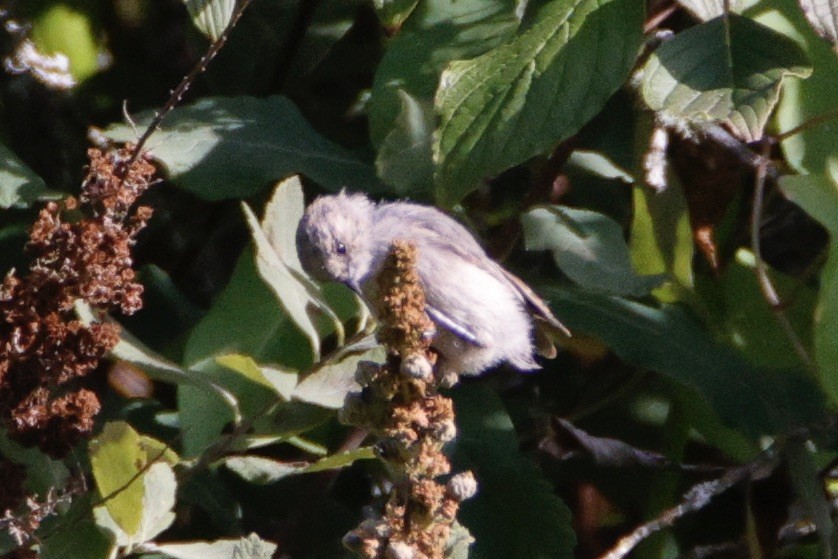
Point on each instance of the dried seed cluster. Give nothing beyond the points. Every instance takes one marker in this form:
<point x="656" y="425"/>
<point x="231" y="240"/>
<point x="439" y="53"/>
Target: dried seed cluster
<point x="80" y="251"/>
<point x="400" y="404"/>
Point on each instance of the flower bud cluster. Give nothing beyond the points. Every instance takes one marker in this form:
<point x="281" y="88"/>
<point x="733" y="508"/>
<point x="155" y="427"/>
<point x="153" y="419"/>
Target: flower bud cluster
<point x="399" y="403"/>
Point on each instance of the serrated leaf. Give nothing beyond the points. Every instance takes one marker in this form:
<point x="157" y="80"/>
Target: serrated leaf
<point x="708" y="9"/>
<point x="818" y="196"/>
<point x="728" y="70"/>
<point x="231" y="147"/>
<point x="523" y="97"/>
<point x="251" y="547"/>
<point x="437" y="32"/>
<point x="405" y="160"/>
<point x="823" y="16"/>
<point x="211" y="16"/>
<point x="513" y="500"/>
<point x="588" y="247"/>
<point x="294" y="297"/>
<point x="19" y="185"/>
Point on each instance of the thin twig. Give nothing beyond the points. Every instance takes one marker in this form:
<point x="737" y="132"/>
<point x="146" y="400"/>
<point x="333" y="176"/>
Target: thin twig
<point x="178" y="92"/>
<point x="811" y="123"/>
<point x="695" y="499"/>
<point x="761" y="270"/>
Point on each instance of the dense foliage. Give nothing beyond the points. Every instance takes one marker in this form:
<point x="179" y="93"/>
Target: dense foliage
<point x="664" y="174"/>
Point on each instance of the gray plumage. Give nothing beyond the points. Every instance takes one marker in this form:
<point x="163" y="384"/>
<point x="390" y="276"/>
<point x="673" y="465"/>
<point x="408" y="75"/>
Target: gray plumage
<point x="483" y="314"/>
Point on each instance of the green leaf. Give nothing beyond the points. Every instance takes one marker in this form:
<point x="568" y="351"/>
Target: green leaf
<point x="251" y="547"/>
<point x="803" y="100"/>
<point x="85" y="540"/>
<point x="806" y="480"/>
<point x="156" y="366"/>
<point x="19" y="185"/>
<point x="245" y="319"/>
<point x="661" y="240"/>
<point x="279" y="381"/>
<point x="459" y="542"/>
<point x="263" y="471"/>
<point x="328" y="386"/>
<point x="42" y="472"/>
<point x="727" y="70"/>
<point x="668" y="339"/>
<point x="437" y="32"/>
<point x="588" y="247"/>
<point x="282" y="215"/>
<point x="116" y="460"/>
<point x="65" y="28"/>
<point x="523" y="97"/>
<point x="231" y="147"/>
<point x="211" y="16"/>
<point x="404" y="160"/>
<point x="818" y="196"/>
<point x="513" y="502"/>
<point x="708" y="9"/>
<point x="291" y="293"/>
<point x="736" y="305"/>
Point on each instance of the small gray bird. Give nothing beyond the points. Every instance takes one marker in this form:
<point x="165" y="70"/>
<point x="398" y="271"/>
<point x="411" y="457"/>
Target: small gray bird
<point x="483" y="314"/>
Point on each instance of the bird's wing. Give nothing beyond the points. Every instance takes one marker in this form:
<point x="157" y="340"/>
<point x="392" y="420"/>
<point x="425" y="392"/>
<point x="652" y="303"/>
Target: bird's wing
<point x="536" y="304"/>
<point x="459" y="330"/>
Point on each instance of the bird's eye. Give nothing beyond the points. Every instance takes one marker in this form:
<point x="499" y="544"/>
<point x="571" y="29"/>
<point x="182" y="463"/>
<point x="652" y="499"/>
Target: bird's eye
<point x="341" y="248"/>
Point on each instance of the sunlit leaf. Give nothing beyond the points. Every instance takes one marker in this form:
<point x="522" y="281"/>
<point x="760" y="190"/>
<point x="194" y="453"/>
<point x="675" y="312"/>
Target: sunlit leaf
<point x="262" y="471"/>
<point x="588" y="247"/>
<point x="251" y="547"/>
<point x="727" y="70"/>
<point x="823" y="16"/>
<point x="245" y="319"/>
<point x="404" y="160"/>
<point x="805" y="101"/>
<point x="523" y="97"/>
<point x="708" y="9"/>
<point x="294" y="297"/>
<point x="232" y="147"/>
<point x="211" y="16"/>
<point x="329" y="385"/>
<point x="280" y="381"/>
<point x="116" y="459"/>
<point x="437" y="32"/>
<point x="19" y="185"/>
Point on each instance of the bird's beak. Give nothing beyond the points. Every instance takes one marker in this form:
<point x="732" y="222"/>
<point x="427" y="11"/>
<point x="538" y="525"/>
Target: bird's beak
<point x="353" y="285"/>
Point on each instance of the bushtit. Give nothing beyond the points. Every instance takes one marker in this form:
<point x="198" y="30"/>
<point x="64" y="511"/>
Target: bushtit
<point x="483" y="314"/>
